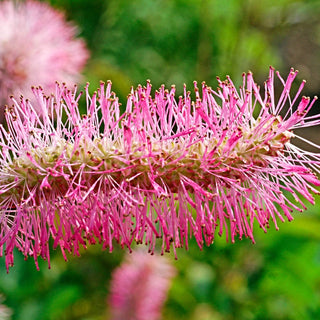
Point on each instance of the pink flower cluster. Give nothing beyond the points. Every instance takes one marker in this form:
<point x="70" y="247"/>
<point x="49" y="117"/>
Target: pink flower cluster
<point x="139" y="287"/>
<point x="163" y="169"/>
<point x="37" y="46"/>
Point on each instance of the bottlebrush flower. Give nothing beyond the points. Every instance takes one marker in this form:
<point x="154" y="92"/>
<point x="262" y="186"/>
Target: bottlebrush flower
<point x="37" y="46"/>
<point x="139" y="287"/>
<point x="163" y="169"/>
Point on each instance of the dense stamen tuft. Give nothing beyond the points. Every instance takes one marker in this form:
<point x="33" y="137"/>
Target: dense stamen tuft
<point x="165" y="168"/>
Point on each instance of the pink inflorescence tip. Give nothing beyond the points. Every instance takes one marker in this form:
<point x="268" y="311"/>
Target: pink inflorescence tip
<point x="139" y="287"/>
<point x="163" y="169"/>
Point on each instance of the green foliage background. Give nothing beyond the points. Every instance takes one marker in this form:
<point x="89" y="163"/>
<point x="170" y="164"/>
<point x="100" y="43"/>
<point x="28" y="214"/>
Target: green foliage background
<point x="178" y="41"/>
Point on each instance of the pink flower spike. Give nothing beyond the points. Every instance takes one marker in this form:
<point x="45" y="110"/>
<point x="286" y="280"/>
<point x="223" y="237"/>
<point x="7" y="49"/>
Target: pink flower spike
<point x="139" y="287"/>
<point x="163" y="169"/>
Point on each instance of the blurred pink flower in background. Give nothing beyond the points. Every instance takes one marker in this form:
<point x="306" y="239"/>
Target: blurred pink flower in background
<point x="163" y="169"/>
<point x="37" y="47"/>
<point x="139" y="287"/>
<point x="5" y="312"/>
